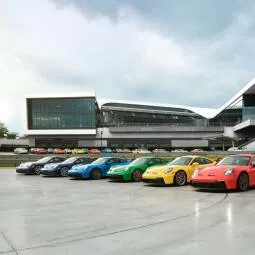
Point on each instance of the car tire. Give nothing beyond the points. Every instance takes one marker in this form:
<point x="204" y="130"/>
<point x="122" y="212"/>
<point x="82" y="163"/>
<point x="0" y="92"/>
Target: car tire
<point x="64" y="171"/>
<point x="242" y="182"/>
<point x="180" y="178"/>
<point x="37" y="170"/>
<point x="96" y="174"/>
<point x="137" y="175"/>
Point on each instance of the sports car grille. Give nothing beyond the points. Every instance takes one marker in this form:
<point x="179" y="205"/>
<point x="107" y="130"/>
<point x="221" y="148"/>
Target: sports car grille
<point x="205" y="185"/>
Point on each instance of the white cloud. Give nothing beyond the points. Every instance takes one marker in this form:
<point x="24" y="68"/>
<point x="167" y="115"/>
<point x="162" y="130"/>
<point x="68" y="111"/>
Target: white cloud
<point x="47" y="49"/>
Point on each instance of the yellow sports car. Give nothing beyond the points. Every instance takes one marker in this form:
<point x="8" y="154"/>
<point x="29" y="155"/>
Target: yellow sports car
<point x="178" y="172"/>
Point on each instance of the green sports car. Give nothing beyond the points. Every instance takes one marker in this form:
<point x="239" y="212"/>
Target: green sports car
<point x="135" y="170"/>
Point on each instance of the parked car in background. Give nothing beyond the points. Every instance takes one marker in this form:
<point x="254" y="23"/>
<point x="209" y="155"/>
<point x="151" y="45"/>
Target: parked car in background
<point x="232" y="172"/>
<point x="50" y="151"/>
<point x="141" y="151"/>
<point x="80" y="151"/>
<point x="179" y="150"/>
<point x="68" y="151"/>
<point x="59" y="151"/>
<point x="32" y="150"/>
<point x="159" y="151"/>
<point x="234" y="149"/>
<point x="135" y="169"/>
<point x="94" y="151"/>
<point x="35" y="167"/>
<point x="107" y="150"/>
<point x="20" y="151"/>
<point x="40" y="151"/>
<point x="178" y="172"/>
<point x="97" y="169"/>
<point x="123" y="150"/>
<point x="62" y="168"/>
<point x="197" y="150"/>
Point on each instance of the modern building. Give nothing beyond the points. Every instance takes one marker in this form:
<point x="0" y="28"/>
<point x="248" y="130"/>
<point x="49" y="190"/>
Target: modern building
<point x="82" y="120"/>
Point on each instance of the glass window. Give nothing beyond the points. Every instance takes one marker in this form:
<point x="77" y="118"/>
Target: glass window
<point x="182" y="161"/>
<point x="62" y="113"/>
<point x="235" y="161"/>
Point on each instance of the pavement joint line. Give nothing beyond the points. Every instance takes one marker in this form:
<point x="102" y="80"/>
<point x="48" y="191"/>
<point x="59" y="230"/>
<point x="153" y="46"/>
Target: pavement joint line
<point x="9" y="243"/>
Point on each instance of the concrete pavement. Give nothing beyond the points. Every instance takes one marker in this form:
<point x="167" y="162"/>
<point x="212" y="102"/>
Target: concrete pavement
<point x="40" y="215"/>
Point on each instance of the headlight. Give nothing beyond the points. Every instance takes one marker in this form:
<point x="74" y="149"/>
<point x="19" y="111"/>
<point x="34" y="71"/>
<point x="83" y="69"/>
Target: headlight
<point x="195" y="172"/>
<point x="229" y="171"/>
<point x="168" y="170"/>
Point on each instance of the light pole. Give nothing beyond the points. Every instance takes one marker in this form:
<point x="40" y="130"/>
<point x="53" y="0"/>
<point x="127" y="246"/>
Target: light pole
<point x="101" y="132"/>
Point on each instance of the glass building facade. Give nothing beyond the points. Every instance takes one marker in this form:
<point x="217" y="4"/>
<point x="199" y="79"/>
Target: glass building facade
<point x="115" y="114"/>
<point x="62" y="113"/>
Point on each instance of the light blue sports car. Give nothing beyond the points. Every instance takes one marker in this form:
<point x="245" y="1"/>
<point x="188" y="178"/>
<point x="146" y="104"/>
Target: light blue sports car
<point x="97" y="169"/>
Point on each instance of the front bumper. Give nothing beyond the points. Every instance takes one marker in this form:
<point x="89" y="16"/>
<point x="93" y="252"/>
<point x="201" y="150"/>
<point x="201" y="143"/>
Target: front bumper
<point x="216" y="185"/>
<point x="158" y="181"/>
<point x="49" y="172"/>
<point x="21" y="170"/>
<point x="121" y="176"/>
<point x="158" y="178"/>
<point x="227" y="183"/>
<point x="115" y="177"/>
<point x="75" y="174"/>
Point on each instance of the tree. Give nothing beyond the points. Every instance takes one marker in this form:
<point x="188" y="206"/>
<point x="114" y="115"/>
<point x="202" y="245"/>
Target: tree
<point x="12" y="135"/>
<point x="3" y="130"/>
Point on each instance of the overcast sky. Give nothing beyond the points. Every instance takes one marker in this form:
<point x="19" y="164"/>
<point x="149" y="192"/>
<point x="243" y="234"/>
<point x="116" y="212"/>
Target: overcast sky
<point x="196" y="53"/>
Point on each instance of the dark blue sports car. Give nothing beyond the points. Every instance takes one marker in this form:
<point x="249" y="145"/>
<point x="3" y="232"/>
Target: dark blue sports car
<point x="97" y="169"/>
<point x="61" y="169"/>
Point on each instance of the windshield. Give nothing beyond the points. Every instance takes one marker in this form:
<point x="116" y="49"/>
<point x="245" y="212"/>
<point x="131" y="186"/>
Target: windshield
<point x="235" y="161"/>
<point x="43" y="160"/>
<point x="100" y="160"/>
<point x="70" y="160"/>
<point x="139" y="161"/>
<point x="183" y="161"/>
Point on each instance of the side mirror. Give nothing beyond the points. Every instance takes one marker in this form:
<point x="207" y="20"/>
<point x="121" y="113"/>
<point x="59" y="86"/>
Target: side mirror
<point x="195" y="164"/>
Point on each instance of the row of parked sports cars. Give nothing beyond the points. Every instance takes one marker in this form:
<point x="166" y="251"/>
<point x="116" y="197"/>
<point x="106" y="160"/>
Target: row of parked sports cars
<point x="232" y="172"/>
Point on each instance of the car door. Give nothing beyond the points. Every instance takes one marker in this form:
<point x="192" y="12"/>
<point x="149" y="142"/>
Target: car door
<point x="109" y="163"/>
<point x="252" y="172"/>
<point x="195" y="163"/>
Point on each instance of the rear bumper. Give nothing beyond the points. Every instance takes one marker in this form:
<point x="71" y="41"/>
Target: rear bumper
<point x="215" y="185"/>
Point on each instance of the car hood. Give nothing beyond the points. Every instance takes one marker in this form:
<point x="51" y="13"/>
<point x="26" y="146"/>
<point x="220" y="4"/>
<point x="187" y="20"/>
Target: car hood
<point x="27" y="164"/>
<point x="156" y="169"/>
<point x="79" y="167"/>
<point x="117" y="169"/>
<point x="214" y="170"/>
